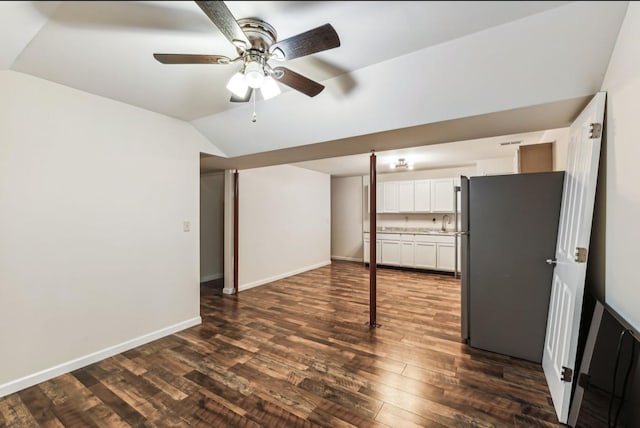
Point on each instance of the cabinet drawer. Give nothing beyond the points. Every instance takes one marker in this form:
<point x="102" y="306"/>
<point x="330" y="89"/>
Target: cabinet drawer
<point x="444" y="239"/>
<point x="406" y="238"/>
<point x="389" y="236"/>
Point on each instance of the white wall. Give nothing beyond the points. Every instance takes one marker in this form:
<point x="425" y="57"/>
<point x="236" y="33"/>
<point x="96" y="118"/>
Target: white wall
<point x="211" y="226"/>
<point x="560" y="139"/>
<point x="346" y="218"/>
<point x="496" y="166"/>
<point x="284" y="223"/>
<point x="93" y="257"/>
<point x="622" y="83"/>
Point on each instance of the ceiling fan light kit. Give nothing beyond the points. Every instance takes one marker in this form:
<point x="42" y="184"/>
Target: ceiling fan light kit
<point x="256" y="43"/>
<point x="402" y="164"/>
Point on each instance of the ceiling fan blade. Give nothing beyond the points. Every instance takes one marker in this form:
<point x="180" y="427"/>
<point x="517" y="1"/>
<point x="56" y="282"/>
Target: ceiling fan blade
<point x="191" y="59"/>
<point x="244" y="99"/>
<point x="312" y="41"/>
<point x="297" y="81"/>
<point x="222" y="17"/>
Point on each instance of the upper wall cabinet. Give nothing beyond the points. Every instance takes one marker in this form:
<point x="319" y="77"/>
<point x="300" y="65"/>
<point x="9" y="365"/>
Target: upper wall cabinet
<point x="442" y="195"/>
<point x="406" y="196"/>
<point x="422" y="196"/>
<point x="415" y="196"/>
<point x="390" y="197"/>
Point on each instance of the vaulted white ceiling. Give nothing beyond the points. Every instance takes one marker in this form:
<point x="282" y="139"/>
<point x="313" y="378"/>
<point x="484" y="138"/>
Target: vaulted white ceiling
<point x="400" y="64"/>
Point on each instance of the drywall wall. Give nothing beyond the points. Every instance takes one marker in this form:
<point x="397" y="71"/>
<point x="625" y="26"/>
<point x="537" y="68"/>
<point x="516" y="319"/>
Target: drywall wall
<point x="93" y="257"/>
<point x="560" y="139"/>
<point x="346" y="218"/>
<point x="496" y="166"/>
<point x="284" y="223"/>
<point x="211" y="226"/>
<point x="622" y="84"/>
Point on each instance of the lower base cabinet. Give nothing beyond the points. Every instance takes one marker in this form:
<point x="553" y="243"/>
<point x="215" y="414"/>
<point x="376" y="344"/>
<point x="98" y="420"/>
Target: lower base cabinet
<point x="421" y="251"/>
<point x="446" y="256"/>
<point x="425" y="255"/>
<point x="366" y="251"/>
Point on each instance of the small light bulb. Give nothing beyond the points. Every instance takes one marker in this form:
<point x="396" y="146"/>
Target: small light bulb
<point x="254" y="74"/>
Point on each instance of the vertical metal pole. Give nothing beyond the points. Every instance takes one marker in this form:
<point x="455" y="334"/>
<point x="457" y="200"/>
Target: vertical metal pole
<point x="373" y="211"/>
<point x="456" y="270"/>
<point x="236" y="204"/>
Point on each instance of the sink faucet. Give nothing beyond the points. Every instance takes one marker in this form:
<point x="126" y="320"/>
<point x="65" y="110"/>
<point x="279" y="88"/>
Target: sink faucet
<point x="445" y="217"/>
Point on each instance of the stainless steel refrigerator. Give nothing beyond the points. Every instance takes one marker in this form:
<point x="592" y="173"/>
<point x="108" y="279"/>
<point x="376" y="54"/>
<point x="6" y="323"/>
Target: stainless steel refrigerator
<point x="509" y="226"/>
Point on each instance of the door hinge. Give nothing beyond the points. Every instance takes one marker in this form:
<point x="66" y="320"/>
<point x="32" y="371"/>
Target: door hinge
<point x="566" y="375"/>
<point x="595" y="130"/>
<point x="580" y="255"/>
<point x="584" y="380"/>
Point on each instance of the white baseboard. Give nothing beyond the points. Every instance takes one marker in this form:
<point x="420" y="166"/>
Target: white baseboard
<point x="347" y="259"/>
<point x="69" y="366"/>
<point x="228" y="291"/>
<point x="211" y="277"/>
<point x="283" y="275"/>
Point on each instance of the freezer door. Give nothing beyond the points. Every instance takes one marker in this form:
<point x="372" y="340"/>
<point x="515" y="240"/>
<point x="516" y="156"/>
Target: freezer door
<point x="514" y="226"/>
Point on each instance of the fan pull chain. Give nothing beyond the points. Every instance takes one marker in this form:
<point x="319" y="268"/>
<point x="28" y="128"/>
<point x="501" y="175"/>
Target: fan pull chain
<point x="253" y="118"/>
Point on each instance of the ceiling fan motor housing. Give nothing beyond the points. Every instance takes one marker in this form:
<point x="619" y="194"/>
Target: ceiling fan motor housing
<point x="261" y="34"/>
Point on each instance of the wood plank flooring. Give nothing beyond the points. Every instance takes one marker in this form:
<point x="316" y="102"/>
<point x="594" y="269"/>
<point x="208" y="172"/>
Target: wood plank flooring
<point x="298" y="353"/>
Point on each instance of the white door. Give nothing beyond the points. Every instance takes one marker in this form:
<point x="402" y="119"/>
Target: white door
<point x="574" y="231"/>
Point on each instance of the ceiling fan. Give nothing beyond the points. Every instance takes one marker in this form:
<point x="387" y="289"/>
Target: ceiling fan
<point x="256" y="43"/>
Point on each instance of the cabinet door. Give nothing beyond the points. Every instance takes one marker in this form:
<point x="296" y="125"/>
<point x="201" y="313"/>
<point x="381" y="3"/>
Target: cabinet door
<point x="422" y="196"/>
<point x="366" y="255"/>
<point x="366" y="251"/>
<point x="378" y="251"/>
<point x="390" y="197"/>
<point x="442" y="195"/>
<point x="446" y="257"/>
<point x="405" y="196"/>
<point x="390" y="253"/>
<point x="424" y="255"/>
<point x="406" y="255"/>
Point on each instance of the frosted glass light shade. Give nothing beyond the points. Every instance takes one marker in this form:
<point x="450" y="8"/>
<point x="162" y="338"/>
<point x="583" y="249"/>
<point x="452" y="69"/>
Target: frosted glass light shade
<point x="269" y="88"/>
<point x="254" y="74"/>
<point x="238" y="85"/>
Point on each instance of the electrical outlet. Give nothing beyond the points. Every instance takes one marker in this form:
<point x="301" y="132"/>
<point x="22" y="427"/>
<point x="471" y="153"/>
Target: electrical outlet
<point x="186" y="226"/>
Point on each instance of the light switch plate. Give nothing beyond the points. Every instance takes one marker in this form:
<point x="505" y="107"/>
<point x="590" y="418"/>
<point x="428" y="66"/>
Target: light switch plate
<point x="186" y="226"/>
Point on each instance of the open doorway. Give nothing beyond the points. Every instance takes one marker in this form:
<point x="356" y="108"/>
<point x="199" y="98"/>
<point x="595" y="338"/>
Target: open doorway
<point x="212" y="231"/>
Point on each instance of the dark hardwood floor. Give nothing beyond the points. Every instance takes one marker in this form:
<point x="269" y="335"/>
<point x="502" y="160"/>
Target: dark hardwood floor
<point x="298" y="352"/>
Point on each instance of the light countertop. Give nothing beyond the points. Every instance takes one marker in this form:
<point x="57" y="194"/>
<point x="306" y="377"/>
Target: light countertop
<point x="414" y="231"/>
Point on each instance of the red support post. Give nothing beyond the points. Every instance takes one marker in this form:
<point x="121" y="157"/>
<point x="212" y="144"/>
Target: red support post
<point x="372" y="241"/>
<point x="236" y="204"/>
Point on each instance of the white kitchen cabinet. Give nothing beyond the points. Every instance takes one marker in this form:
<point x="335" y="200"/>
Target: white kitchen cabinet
<point x="424" y="254"/>
<point x="407" y="258"/>
<point x="422" y="251"/>
<point x="390" y="247"/>
<point x="405" y="196"/>
<point x="390" y="197"/>
<point x="366" y="249"/>
<point x="378" y="198"/>
<point x="422" y="196"/>
<point x="446" y="257"/>
<point x="442" y="194"/>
